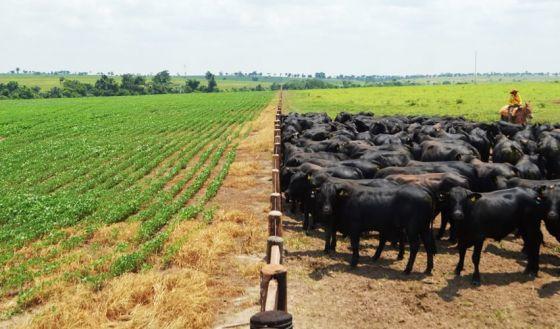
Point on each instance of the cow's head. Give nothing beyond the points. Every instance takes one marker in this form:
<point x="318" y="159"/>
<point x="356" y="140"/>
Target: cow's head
<point x="460" y="202"/>
<point x="329" y="195"/>
<point x="550" y="201"/>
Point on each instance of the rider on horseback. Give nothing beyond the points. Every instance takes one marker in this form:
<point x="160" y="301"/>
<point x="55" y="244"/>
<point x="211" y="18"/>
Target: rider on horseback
<point x="515" y="112"/>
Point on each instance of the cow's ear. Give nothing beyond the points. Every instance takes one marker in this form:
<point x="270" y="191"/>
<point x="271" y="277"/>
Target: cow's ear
<point x="474" y="196"/>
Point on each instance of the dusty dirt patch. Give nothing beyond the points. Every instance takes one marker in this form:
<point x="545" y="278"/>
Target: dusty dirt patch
<point x="247" y="189"/>
<point x="326" y="293"/>
<point x="556" y="101"/>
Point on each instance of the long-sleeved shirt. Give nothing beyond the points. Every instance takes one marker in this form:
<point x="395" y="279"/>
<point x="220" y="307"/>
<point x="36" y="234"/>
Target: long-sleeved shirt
<point x="515" y="100"/>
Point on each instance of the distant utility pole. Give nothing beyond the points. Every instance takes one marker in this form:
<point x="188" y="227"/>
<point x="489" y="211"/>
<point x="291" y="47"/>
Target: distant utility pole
<point x="475" y="73"/>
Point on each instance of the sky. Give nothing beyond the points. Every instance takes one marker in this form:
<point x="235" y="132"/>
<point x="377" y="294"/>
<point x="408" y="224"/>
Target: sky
<point x="334" y="36"/>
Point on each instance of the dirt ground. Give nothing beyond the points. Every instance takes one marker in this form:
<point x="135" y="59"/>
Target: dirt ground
<point x="324" y="292"/>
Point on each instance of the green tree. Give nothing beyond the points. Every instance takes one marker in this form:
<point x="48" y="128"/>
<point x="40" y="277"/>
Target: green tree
<point x="192" y="85"/>
<point x="212" y="84"/>
<point x="320" y="75"/>
<point x="133" y="84"/>
<point x="106" y="86"/>
<point x="161" y="82"/>
<point x="55" y="92"/>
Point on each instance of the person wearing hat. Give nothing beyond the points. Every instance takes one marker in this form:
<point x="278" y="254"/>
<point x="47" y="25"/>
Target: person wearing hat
<point x="514" y="99"/>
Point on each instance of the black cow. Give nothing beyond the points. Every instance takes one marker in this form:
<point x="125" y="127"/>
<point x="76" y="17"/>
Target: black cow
<point x="529" y="167"/>
<point x="390" y="211"/>
<point x="506" y="150"/>
<point x="550" y="196"/>
<point x="530" y="183"/>
<point x="549" y="148"/>
<point x="445" y="150"/>
<point x="495" y="215"/>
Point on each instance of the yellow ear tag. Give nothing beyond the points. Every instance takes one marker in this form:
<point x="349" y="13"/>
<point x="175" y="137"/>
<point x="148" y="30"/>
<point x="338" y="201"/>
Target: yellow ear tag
<point x="308" y="177"/>
<point x="473" y="199"/>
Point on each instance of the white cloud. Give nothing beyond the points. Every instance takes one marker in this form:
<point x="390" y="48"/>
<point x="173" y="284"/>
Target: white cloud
<point x="353" y="36"/>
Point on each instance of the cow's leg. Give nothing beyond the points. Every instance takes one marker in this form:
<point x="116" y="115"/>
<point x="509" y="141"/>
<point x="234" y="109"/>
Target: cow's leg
<point x="328" y="233"/>
<point x="355" y="243"/>
<point x="430" y="246"/>
<point x="306" y="223"/>
<point x="333" y="240"/>
<point x="532" y="245"/>
<point x="414" y="245"/>
<point x="312" y="212"/>
<point x="400" y="256"/>
<point x="476" y="261"/>
<point x="382" y="242"/>
<point x="441" y="231"/>
<point x="452" y="231"/>
<point x="461" y="263"/>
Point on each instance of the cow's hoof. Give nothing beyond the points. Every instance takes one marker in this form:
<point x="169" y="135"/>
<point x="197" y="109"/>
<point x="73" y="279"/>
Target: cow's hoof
<point x="375" y="258"/>
<point x="476" y="280"/>
<point x="400" y="256"/>
<point x="354" y="263"/>
<point x="458" y="272"/>
<point x="531" y="273"/>
<point x="428" y="272"/>
<point x="407" y="271"/>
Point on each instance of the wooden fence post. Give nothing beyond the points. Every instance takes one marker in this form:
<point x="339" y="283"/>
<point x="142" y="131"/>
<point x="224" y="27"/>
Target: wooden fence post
<point x="275" y="181"/>
<point x="276" y="147"/>
<point x="271" y="319"/>
<point x="274" y="316"/>
<point x="279" y="273"/>
<point x="275" y="223"/>
<point x="274" y="250"/>
<point x="276" y="201"/>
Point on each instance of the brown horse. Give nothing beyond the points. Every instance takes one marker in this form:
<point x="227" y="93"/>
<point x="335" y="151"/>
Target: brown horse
<point x="518" y="115"/>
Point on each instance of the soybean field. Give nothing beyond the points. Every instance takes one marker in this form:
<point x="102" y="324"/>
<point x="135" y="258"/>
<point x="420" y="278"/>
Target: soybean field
<point x="72" y="171"/>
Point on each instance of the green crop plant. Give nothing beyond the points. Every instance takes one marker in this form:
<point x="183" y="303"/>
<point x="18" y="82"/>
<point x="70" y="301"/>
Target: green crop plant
<point x="72" y="167"/>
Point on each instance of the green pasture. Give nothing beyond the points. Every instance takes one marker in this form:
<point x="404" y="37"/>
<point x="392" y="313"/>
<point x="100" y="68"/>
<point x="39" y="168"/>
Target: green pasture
<point x="476" y="102"/>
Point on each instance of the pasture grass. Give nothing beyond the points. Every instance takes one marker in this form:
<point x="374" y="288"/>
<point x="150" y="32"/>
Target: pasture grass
<point x="479" y="102"/>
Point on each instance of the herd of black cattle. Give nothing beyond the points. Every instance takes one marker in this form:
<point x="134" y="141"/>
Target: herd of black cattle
<point x="360" y="173"/>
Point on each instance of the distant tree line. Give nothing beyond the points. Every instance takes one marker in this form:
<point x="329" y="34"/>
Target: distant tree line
<point x="109" y="86"/>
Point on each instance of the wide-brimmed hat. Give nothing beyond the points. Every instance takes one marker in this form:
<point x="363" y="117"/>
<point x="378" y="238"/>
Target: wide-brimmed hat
<point x="513" y="91"/>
